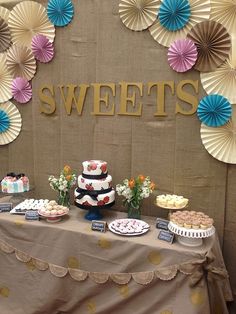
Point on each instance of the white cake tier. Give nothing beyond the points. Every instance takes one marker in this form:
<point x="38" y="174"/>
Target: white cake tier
<point x="102" y="199"/>
<point x="94" y="167"/>
<point x="12" y="185"/>
<point x="92" y="184"/>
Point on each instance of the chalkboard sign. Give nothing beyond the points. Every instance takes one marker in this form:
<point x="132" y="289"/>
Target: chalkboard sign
<point x="5" y="207"/>
<point x="99" y="225"/>
<point x="162" y="224"/>
<point x="31" y="215"/>
<point x="166" y="236"/>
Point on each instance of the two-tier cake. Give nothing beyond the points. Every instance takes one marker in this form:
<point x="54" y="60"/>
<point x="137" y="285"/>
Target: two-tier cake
<point x="94" y="187"/>
<point x="13" y="183"/>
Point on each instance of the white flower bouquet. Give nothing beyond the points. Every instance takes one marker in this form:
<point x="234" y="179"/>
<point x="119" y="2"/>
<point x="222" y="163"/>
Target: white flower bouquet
<point x="134" y="191"/>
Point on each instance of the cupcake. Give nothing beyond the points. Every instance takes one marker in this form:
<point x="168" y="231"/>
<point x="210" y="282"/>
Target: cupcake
<point x="204" y="224"/>
<point x="209" y="222"/>
<point x="180" y="222"/>
<point x="188" y="224"/>
<point x="196" y="224"/>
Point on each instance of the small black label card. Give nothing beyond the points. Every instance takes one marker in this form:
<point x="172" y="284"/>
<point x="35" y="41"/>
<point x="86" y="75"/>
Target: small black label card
<point x="162" y="224"/>
<point x="166" y="236"/>
<point x="99" y="225"/>
<point x="5" y="207"/>
<point x="31" y="215"/>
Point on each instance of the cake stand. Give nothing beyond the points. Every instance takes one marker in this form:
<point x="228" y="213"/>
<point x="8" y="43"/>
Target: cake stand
<point x="190" y="237"/>
<point x="94" y="211"/>
<point x="53" y="218"/>
<point x="17" y="197"/>
<point x="170" y="209"/>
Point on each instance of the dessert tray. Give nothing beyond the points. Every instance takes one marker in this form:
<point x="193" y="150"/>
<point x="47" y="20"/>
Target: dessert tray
<point x="29" y="204"/>
<point x="53" y="212"/>
<point x="53" y="217"/>
<point x="128" y="227"/>
<point x="171" y="201"/>
<point x="190" y="237"/>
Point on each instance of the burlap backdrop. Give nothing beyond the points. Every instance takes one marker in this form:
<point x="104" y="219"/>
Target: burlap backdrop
<point x="97" y="47"/>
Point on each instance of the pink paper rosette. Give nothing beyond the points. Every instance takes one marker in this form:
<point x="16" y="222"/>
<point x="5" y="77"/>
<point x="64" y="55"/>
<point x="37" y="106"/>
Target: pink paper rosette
<point x="21" y="90"/>
<point x="42" y="48"/>
<point x="182" y="55"/>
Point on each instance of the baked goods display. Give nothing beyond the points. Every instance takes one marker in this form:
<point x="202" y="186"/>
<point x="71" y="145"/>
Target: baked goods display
<point x="171" y="201"/>
<point x="53" y="212"/>
<point x="94" y="186"/>
<point x="53" y="209"/>
<point x="13" y="183"/>
<point x="29" y="204"/>
<point x="191" y="227"/>
<point x="191" y="220"/>
<point x="128" y="227"/>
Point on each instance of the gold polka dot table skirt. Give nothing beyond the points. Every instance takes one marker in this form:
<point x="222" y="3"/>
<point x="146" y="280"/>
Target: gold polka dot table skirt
<point x="67" y="268"/>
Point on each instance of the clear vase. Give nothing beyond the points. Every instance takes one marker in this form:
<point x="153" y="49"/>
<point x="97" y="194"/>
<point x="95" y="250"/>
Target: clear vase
<point x="134" y="212"/>
<point x="64" y="198"/>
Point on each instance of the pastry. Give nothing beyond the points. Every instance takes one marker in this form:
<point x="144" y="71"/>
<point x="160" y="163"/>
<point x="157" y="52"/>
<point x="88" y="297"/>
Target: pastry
<point x="171" y="201"/>
<point x="191" y="220"/>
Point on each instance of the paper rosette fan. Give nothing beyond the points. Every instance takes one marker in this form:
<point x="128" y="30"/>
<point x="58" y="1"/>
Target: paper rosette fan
<point x="5" y="80"/>
<point x="220" y="142"/>
<point x="200" y="11"/>
<point x="182" y="55"/>
<point x="60" y="12"/>
<point x="174" y="15"/>
<point x="4" y="13"/>
<point x="27" y="19"/>
<point x="213" y="44"/>
<point x="21" y="90"/>
<point x="21" y="62"/>
<point x="214" y="110"/>
<point x="138" y="14"/>
<point x="4" y="121"/>
<point x="222" y="81"/>
<point x="224" y="12"/>
<point x="10" y="123"/>
<point x="5" y="35"/>
<point x="42" y="48"/>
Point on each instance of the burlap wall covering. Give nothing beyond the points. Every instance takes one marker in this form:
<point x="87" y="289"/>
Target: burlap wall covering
<point x="97" y="47"/>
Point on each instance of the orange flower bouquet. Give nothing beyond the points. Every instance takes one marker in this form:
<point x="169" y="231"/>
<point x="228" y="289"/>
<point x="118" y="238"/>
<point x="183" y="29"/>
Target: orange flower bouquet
<point x="134" y="191"/>
<point x="63" y="184"/>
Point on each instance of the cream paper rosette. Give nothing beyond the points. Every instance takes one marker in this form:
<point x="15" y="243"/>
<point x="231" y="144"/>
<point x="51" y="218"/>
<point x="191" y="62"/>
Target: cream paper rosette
<point x="224" y="12"/>
<point x="221" y="81"/>
<point x="220" y="142"/>
<point x="29" y="18"/>
<point x="5" y="80"/>
<point x="200" y="11"/>
<point x="138" y="14"/>
<point x="4" y="13"/>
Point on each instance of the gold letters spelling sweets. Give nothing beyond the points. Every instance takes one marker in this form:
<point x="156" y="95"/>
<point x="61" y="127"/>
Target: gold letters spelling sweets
<point x="128" y="92"/>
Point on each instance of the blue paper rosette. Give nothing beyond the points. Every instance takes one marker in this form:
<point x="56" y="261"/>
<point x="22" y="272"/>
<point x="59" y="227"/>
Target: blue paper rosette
<point x="214" y="110"/>
<point x="10" y="122"/>
<point x="174" y="15"/>
<point x="4" y="121"/>
<point x="60" y="12"/>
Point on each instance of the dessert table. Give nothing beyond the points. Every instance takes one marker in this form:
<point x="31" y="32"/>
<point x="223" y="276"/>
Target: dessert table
<point x="66" y="267"/>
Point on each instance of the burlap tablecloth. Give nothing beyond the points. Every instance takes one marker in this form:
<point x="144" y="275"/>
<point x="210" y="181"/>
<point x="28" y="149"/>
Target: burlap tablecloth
<point x="67" y="268"/>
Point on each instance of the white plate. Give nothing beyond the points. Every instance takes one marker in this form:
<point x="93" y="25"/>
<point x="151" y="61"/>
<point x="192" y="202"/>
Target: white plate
<point x="143" y="224"/>
<point x="170" y="208"/>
